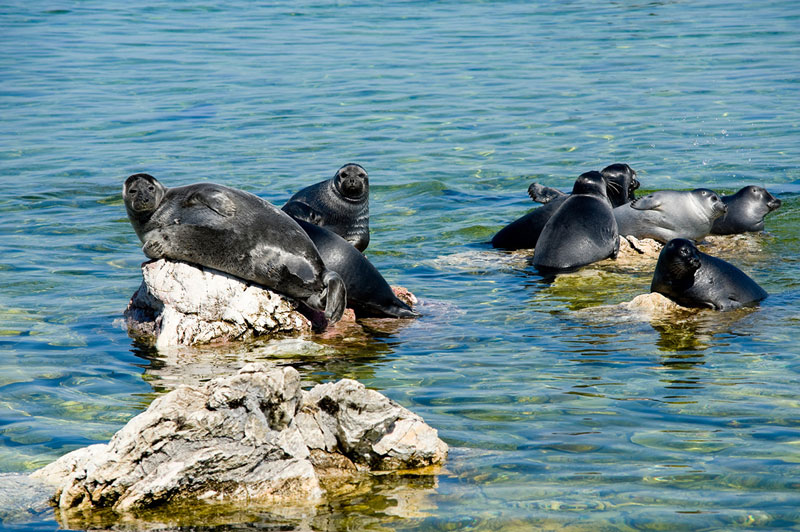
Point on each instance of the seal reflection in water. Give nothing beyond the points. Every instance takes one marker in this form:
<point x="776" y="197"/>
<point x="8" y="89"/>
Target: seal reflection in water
<point x="692" y="278"/>
<point x="746" y="211"/>
<point x="582" y="231"/>
<point x="235" y="232"/>
<point x="339" y="204"/>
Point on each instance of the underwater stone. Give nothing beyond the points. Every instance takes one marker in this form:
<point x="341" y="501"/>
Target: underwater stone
<point x="183" y="304"/>
<point x="253" y="436"/>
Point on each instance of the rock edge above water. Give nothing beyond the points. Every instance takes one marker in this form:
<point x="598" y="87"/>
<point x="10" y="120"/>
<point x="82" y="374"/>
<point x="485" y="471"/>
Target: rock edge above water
<point x="255" y="436"/>
<point x="183" y="304"/>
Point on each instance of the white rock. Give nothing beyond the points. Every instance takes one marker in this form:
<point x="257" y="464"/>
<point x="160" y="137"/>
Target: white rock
<point x="183" y="304"/>
<point x="253" y="436"/>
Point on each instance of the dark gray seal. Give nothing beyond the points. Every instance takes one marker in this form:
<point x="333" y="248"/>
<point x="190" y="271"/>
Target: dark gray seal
<point x="582" y="231"/>
<point x="668" y="214"/>
<point x="692" y="278"/>
<point x="339" y="204"/>
<point x="235" y="232"/>
<point x="523" y="233"/>
<point x="746" y="211"/>
<point x="368" y="293"/>
<point x="621" y="186"/>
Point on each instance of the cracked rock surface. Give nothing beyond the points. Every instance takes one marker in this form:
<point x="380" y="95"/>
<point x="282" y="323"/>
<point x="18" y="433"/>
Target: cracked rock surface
<point x="182" y="304"/>
<point x="253" y="436"/>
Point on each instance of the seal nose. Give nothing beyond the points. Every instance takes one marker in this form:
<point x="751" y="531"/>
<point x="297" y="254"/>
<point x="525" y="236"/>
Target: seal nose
<point x="774" y="203"/>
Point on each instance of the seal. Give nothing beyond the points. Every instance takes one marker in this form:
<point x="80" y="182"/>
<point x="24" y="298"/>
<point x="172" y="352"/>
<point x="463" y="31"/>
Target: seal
<point x="692" y="278"/>
<point x="368" y="293"/>
<point x="582" y="231"/>
<point x="523" y="233"/>
<point x="340" y="204"/>
<point x="668" y="214"/>
<point x="621" y="186"/>
<point x="746" y="211"/>
<point x="234" y="232"/>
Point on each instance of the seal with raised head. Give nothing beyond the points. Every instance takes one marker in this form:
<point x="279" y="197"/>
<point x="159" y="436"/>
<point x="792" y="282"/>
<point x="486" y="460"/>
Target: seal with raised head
<point x="621" y="185"/>
<point x="234" y="232"/>
<point x="368" y="293"/>
<point x="746" y="211"/>
<point x="523" y="233"/>
<point x="668" y="214"/>
<point x="339" y="204"/>
<point x="692" y="278"/>
<point x="582" y="231"/>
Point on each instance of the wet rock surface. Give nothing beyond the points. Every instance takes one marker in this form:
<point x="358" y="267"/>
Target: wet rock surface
<point x="254" y="436"/>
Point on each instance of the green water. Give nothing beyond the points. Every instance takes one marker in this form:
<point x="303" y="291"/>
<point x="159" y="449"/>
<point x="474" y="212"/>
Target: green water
<point x="558" y="415"/>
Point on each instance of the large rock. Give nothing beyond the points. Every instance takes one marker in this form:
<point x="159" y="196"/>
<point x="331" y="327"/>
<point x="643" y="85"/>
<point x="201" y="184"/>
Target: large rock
<point x="255" y="436"/>
<point x="183" y="304"/>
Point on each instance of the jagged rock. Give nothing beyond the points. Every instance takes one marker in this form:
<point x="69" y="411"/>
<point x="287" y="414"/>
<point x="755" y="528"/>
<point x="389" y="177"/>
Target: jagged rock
<point x="253" y="436"/>
<point x="653" y="304"/>
<point x="183" y="304"/>
<point x="630" y="245"/>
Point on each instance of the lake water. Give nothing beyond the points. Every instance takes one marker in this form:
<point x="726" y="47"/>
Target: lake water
<point x="556" y="416"/>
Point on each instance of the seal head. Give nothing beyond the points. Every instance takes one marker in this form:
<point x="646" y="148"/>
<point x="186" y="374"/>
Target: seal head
<point x="694" y="279"/>
<point x="745" y="211"/>
<point x="340" y="204"/>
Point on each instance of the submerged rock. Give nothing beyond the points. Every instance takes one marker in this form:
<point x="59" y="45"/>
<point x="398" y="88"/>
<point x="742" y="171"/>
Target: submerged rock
<point x="255" y="436"/>
<point x="183" y="304"/>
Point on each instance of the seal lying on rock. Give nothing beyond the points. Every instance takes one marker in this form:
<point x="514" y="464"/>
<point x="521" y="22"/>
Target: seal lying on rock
<point x="368" y="293"/>
<point x="694" y="279"/>
<point x="235" y="232"/>
<point x="668" y="214"/>
<point x="746" y="211"/>
<point x="582" y="231"/>
<point x="621" y="185"/>
<point x="523" y="233"/>
<point x="340" y="204"/>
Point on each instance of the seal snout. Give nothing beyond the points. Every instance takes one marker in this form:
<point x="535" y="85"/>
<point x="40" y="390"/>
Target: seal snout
<point x="774" y="204"/>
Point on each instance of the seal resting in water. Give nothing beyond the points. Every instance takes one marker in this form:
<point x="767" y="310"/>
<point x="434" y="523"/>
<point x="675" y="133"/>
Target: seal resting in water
<point x="368" y="293"/>
<point x="339" y="204"/>
<point x="746" y="211"/>
<point x="234" y="232"/>
<point x="668" y="214"/>
<point x="582" y="231"/>
<point x="692" y="278"/>
<point x="523" y="233"/>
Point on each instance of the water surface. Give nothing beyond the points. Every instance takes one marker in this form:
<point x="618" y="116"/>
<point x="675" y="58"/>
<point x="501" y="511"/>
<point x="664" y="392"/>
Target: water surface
<point x="557" y="417"/>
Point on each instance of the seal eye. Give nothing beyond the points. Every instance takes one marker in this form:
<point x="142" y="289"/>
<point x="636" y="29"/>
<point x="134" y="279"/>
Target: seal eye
<point x="132" y="190"/>
<point x="151" y="188"/>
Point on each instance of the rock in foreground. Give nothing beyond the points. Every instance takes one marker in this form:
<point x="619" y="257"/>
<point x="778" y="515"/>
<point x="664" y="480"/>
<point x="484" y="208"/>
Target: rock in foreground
<point x="183" y="304"/>
<point x="255" y="437"/>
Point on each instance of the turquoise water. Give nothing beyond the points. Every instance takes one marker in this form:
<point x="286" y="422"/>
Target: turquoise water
<point x="557" y="417"/>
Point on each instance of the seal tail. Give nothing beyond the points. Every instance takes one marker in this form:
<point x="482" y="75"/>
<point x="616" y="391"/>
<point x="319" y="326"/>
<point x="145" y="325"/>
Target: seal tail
<point x="335" y="296"/>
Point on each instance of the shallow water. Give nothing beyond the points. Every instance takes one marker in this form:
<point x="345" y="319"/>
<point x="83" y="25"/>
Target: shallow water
<point x="557" y="416"/>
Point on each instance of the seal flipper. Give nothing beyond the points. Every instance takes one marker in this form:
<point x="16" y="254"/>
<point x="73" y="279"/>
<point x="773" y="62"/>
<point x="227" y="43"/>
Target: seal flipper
<point x="302" y="211"/>
<point x="334" y="296"/>
<point x="542" y="194"/>
<point x="646" y="203"/>
<point x="397" y="309"/>
<point x="214" y="199"/>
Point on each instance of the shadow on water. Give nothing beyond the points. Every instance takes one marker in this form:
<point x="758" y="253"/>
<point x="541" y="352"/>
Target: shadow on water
<point x="348" y="350"/>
